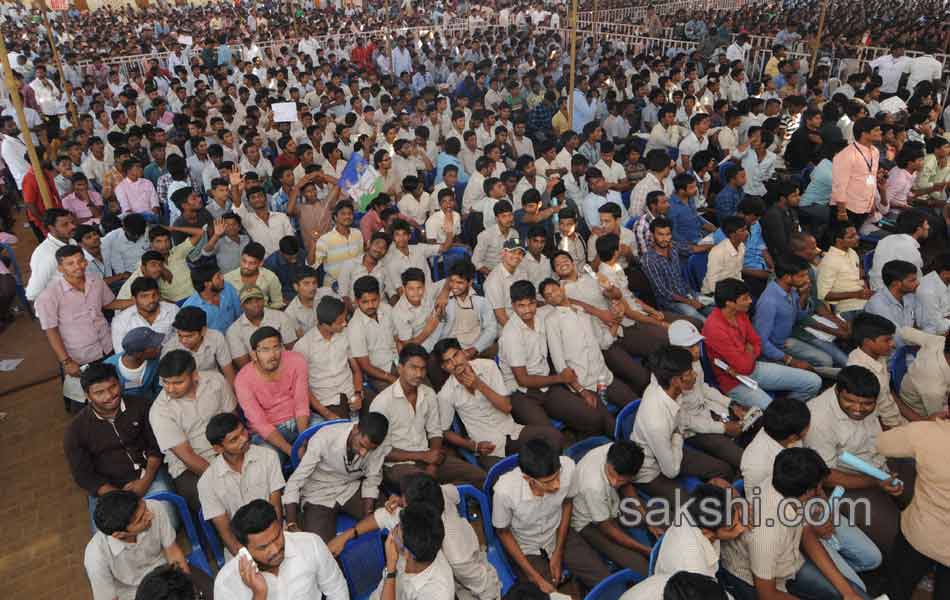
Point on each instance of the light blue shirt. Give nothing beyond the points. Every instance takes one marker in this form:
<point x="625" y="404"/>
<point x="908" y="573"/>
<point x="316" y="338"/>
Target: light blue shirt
<point x="223" y="314"/>
<point x="121" y="254"/>
<point x="445" y="159"/>
<point x="901" y="314"/>
<point x="819" y="188"/>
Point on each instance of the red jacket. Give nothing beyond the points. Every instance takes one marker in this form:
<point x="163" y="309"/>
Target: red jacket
<point x="727" y="341"/>
<point x="31" y="195"/>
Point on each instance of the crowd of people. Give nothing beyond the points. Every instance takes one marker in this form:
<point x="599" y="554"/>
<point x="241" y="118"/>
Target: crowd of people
<point x="426" y="256"/>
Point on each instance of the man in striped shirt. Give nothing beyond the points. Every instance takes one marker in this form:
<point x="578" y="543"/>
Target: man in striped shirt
<point x="338" y="245"/>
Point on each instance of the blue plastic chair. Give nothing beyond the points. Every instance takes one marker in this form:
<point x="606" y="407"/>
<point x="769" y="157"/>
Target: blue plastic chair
<point x="211" y="536"/>
<point x="465" y="453"/>
<point x="899" y="366"/>
<point x="866" y="263"/>
<point x="501" y="467"/>
<point x="739" y="486"/>
<point x="305" y="437"/>
<point x="579" y="450"/>
<point x="362" y="562"/>
<point x="654" y="554"/>
<point x="625" y="419"/>
<point x="494" y="550"/>
<point x="448" y="258"/>
<point x="631" y="222"/>
<point x="197" y="555"/>
<point x="18" y="276"/>
<point x="696" y="266"/>
<point x="613" y="587"/>
<point x="708" y="375"/>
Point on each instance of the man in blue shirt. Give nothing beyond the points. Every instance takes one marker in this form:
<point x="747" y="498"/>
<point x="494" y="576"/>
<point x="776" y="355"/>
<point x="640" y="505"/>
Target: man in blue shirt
<point x="688" y="226"/>
<point x="449" y="156"/>
<point x="757" y="265"/>
<point x="284" y="264"/>
<point x="896" y="301"/>
<point x="727" y="201"/>
<point x="215" y="296"/>
<point x="785" y="301"/>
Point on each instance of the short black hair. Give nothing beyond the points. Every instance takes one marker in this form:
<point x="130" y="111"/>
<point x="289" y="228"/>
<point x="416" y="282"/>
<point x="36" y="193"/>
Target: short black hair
<point x="732" y="224"/>
<point x="684" y="585"/>
<point x="253" y="517"/>
<point x="522" y="290"/>
<point x="97" y="372"/>
<point x="667" y="362"/>
<point x="789" y="265"/>
<point x="421" y="487"/>
<point x="303" y="272"/>
<point x="464" y="269"/>
<point x="176" y="363"/>
<point x="607" y="246"/>
<point x="219" y="426"/>
<point x="167" y="582"/>
<point x="190" y="318"/>
<point x="413" y="274"/>
<point x="367" y="284"/>
<point x="625" y="457"/>
<point x="254" y="250"/>
<point x="264" y="333"/>
<point x="868" y="326"/>
<point x="329" y="310"/>
<point x="412" y="350"/>
<point x="539" y="459"/>
<point x="729" y="290"/>
<point x="375" y="426"/>
<point x="422" y="531"/>
<point x="143" y="284"/>
<point x="859" y="381"/>
<point x="798" y="470"/>
<point x="114" y="511"/>
<point x="895" y="271"/>
<point x="785" y="417"/>
<point x="710" y="507"/>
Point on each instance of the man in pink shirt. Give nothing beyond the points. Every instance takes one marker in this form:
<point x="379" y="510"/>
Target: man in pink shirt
<point x="137" y="194"/>
<point x="83" y="202"/>
<point x="274" y="392"/>
<point x="854" y="174"/>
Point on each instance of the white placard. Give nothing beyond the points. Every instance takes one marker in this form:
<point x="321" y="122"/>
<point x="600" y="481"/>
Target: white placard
<point x="285" y="112"/>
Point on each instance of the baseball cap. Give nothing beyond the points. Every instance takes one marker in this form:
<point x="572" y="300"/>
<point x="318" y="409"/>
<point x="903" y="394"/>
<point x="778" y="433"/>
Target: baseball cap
<point x="684" y="334"/>
<point x="251" y="291"/>
<point x="513" y="244"/>
<point x="141" y="339"/>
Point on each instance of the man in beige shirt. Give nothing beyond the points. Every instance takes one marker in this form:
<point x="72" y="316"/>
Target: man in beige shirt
<point x="840" y="280"/>
<point x="241" y="472"/>
<point x="208" y="346"/>
<point x="726" y="257"/>
<point x="180" y="415"/>
<point x="874" y="337"/>
<point x="487" y="253"/>
<point x="255" y="316"/>
<point x="844" y="419"/>
<point x="922" y="541"/>
<point x="926" y="386"/>
<point x="251" y="273"/>
<point x="372" y="334"/>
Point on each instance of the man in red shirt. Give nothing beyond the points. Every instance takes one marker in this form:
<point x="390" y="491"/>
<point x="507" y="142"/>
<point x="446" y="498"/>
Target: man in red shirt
<point x="734" y="347"/>
<point x="35" y="207"/>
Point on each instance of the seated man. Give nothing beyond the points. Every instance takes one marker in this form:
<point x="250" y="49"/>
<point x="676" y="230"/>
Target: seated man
<point x="912" y="228"/>
<point x="340" y="470"/>
<point x="99" y="460"/>
<point x="242" y="472"/>
<point x="251" y="273"/>
<point x="785" y="424"/>
<point x="166" y="582"/>
<point x="282" y="561"/>
<point x="487" y="252"/>
<point x="273" y="392"/>
<point x="147" y="311"/>
<point x="133" y="536"/>
<point x="255" y="316"/>
<point x="661" y="264"/>
<point x="573" y="344"/>
<point x="136" y="364"/>
<point x="173" y="279"/>
<point x="896" y="301"/>
<point x="216" y="297"/>
<point x="370" y="263"/>
<point x="778" y="310"/>
<point x="416" y="315"/>
<point x="726" y="258"/>
<point x="336" y="383"/>
<point x="285" y="263"/>
<point x="933" y="297"/>
<point x="474" y="576"/>
<point x="682" y="585"/>
<point x="207" y="346"/>
<point x="693" y="542"/>
<point x="420" y="569"/>
<point x="656" y="430"/>
<point x="756" y="262"/>
<point x="468" y="316"/>
<point x="926" y="386"/>
<point x="498" y="283"/>
<point x="604" y="476"/>
<point x="476" y="392"/>
<point x="731" y="339"/>
<point x="307" y="295"/>
<point x="708" y="419"/>
<point x="840" y="282"/>
<point x="844" y="419"/>
<point x="874" y="337"/>
<point x="532" y="506"/>
<point x="523" y="354"/>
<point x="728" y="199"/>
<point x="179" y="417"/>
<point x="415" y="433"/>
<point x="372" y="335"/>
<point x="402" y="256"/>
<point x="779" y="557"/>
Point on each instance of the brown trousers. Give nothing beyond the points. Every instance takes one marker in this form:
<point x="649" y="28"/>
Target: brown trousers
<point x="321" y="520"/>
<point x="694" y="463"/>
<point x="643" y="339"/>
<point x="621" y="364"/>
<point x="624" y="557"/>
<point x="186" y="486"/>
<point x="535" y="407"/>
<point x="452" y="470"/>
<point x="549" y="434"/>
<point x="883" y="524"/>
<point x="582" y="561"/>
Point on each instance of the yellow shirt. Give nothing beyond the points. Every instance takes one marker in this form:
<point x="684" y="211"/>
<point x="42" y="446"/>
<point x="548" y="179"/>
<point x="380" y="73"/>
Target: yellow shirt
<point x="560" y="123"/>
<point x="266" y="280"/>
<point x="839" y="272"/>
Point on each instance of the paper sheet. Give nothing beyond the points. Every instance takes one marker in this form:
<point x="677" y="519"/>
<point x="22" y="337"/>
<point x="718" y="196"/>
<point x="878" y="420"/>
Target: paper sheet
<point x="10" y="364"/>
<point x="72" y="389"/>
<point x="744" y="380"/>
<point x="186" y="40"/>
<point x="285" y="112"/>
<point x="821" y="335"/>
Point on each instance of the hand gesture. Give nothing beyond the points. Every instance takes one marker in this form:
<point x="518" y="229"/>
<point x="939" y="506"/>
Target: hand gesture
<point x="555" y="565"/>
<point x="236" y="179"/>
<point x="139" y="486"/>
<point x="467" y="377"/>
<point x="568" y="375"/>
<point x="392" y="553"/>
<point x="336" y="545"/>
<point x="484" y="448"/>
<point x="252" y="578"/>
<point x="218" y="227"/>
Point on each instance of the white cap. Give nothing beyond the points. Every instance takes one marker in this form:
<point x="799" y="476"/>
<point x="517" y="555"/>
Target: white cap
<point x="684" y="334"/>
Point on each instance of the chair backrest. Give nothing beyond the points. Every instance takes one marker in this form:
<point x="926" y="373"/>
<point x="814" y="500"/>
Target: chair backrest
<point x="210" y="535"/>
<point x="613" y="587"/>
<point x="447" y="259"/>
<point x="577" y="451"/>
<point x="654" y="554"/>
<point x="362" y="562"/>
<point x="708" y="375"/>
<point x="501" y="467"/>
<point x="867" y="262"/>
<point x="304" y="437"/>
<point x="625" y="419"/>
<point x="197" y="555"/>
<point x="465" y="453"/>
<point x="631" y="222"/>
<point x="899" y="367"/>
<point x="696" y="266"/>
<point x="496" y="554"/>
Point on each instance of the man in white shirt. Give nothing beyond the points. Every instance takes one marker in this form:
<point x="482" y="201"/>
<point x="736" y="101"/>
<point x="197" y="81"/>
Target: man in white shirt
<point x="891" y="67"/>
<point x="416" y="568"/>
<point x="148" y="311"/>
<point x="13" y="150"/>
<point x="285" y="565"/>
<point x="680" y="586"/>
<point x="60" y="225"/>
<point x="924" y="68"/>
<point x="912" y="227"/>
<point x="933" y="298"/>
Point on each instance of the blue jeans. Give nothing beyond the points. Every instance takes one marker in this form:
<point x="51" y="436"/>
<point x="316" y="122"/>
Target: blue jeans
<point x="853" y="553"/>
<point x="688" y="311"/>
<point x="815" y="355"/>
<point x="809" y="584"/>
<point x="771" y="377"/>
<point x="161" y="483"/>
<point x="288" y="429"/>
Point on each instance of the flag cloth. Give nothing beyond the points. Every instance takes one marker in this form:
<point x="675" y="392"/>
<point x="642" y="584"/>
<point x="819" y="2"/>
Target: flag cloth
<point x="360" y="181"/>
